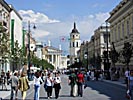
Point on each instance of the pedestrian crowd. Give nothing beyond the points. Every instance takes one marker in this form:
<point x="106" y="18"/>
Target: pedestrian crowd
<point x="19" y="82"/>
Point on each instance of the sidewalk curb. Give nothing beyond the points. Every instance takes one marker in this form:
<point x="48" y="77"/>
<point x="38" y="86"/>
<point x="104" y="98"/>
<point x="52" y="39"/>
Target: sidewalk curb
<point x="115" y="82"/>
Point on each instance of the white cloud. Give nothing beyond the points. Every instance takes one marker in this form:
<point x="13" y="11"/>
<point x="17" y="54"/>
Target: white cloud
<point x="90" y="23"/>
<point x="40" y="34"/>
<point x="102" y="16"/>
<point x="52" y="29"/>
<point x="36" y="17"/>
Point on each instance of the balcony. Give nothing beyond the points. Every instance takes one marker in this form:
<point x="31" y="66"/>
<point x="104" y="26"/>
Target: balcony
<point x="3" y="26"/>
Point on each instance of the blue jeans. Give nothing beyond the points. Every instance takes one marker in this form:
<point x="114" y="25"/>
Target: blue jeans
<point x="13" y="89"/>
<point x="36" y="94"/>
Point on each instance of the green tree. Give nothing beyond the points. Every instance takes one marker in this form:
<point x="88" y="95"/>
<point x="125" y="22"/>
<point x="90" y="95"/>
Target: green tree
<point x="16" y="57"/>
<point x="98" y="61"/>
<point x="40" y="62"/>
<point x="126" y="53"/>
<point x="114" y="55"/>
<point x="4" y="47"/>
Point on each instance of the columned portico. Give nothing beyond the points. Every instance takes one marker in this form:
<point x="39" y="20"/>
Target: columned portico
<point x="53" y="56"/>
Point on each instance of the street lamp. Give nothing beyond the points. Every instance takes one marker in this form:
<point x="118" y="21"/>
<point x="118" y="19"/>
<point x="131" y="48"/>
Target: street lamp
<point x="86" y="57"/>
<point x="107" y="40"/>
<point x="28" y="57"/>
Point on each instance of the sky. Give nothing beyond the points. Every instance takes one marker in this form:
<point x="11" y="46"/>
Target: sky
<point x="54" y="19"/>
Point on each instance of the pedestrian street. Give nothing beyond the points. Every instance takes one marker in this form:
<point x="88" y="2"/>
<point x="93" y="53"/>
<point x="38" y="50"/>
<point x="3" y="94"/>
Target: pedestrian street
<point x="95" y="90"/>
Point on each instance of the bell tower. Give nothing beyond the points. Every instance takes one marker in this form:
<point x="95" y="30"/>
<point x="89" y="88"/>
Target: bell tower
<point x="74" y="44"/>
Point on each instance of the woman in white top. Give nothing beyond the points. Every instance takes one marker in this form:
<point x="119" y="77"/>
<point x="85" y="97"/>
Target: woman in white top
<point x="127" y="73"/>
<point x="37" y="80"/>
<point x="57" y="86"/>
<point x="49" y="83"/>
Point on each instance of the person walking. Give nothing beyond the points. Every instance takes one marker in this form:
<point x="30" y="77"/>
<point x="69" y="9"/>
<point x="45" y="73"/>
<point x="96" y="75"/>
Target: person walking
<point x="80" y="82"/>
<point x="23" y="85"/>
<point x="37" y="83"/>
<point x="49" y="84"/>
<point x="14" y="85"/>
<point x="73" y="83"/>
<point x="57" y="86"/>
<point x="127" y="73"/>
<point x="88" y="75"/>
<point x="3" y="77"/>
<point x="8" y="77"/>
<point x="130" y="83"/>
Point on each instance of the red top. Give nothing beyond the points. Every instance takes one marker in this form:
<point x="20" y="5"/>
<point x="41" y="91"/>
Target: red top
<point x="80" y="77"/>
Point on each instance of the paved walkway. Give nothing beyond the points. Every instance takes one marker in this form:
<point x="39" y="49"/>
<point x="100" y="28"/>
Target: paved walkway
<point x="5" y="93"/>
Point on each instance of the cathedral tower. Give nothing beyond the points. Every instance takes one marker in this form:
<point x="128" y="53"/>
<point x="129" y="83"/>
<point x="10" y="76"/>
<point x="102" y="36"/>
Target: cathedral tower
<point x="74" y="44"/>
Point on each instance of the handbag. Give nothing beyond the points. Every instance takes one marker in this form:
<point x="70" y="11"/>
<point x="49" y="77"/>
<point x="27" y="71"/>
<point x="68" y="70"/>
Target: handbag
<point x="75" y="90"/>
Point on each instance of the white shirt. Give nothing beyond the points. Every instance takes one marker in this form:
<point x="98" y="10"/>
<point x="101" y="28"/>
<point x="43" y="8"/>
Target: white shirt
<point x="57" y="79"/>
<point x="49" y="81"/>
<point x="127" y="73"/>
<point x="37" y="80"/>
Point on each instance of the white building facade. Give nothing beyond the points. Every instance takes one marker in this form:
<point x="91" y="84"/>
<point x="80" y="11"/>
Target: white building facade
<point x="53" y="56"/>
<point x="38" y="52"/>
<point x="16" y="25"/>
<point x="121" y="29"/>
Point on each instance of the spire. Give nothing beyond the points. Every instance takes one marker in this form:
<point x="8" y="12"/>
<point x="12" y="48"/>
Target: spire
<point x="74" y="25"/>
<point x="74" y="30"/>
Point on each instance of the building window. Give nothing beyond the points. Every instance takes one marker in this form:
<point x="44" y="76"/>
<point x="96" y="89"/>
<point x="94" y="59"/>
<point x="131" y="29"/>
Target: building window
<point x="132" y="24"/>
<point x="118" y="32"/>
<point x="111" y="31"/>
<point x="77" y="44"/>
<point x="115" y="35"/>
<point x="128" y="28"/>
<point x="73" y="44"/>
<point x="73" y="36"/>
<point x="105" y="38"/>
<point x="123" y="30"/>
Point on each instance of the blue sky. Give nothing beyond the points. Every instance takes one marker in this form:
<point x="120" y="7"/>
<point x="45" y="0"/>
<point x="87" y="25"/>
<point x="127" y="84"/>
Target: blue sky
<point x="55" y="18"/>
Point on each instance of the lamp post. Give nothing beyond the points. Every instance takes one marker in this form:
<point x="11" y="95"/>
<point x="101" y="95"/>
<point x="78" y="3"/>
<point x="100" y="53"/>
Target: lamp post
<point x="86" y="57"/>
<point x="107" y="36"/>
<point x="28" y="57"/>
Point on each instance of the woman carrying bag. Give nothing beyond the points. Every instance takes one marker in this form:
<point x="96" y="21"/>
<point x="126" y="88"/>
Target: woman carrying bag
<point x="23" y="85"/>
<point x="57" y="86"/>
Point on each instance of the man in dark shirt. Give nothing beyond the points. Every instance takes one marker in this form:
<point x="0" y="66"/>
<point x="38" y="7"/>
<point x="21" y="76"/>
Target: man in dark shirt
<point x="72" y="82"/>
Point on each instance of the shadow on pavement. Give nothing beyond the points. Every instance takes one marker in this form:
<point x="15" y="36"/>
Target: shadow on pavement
<point x="115" y="92"/>
<point x="54" y="97"/>
<point x="4" y="89"/>
<point x="43" y="98"/>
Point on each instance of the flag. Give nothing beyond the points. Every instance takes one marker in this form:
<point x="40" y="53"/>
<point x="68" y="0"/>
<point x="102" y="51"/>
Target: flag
<point x="64" y="39"/>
